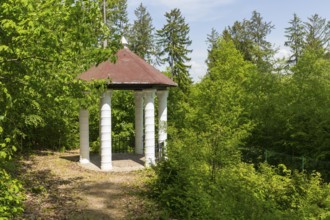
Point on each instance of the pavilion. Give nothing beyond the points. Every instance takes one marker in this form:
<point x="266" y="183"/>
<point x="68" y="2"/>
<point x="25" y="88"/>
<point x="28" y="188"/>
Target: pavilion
<point x="130" y="72"/>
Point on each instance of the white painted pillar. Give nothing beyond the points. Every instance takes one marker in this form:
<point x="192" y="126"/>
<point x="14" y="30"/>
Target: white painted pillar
<point x="162" y="119"/>
<point x="138" y="122"/>
<point x="84" y="136"/>
<point x="106" y="156"/>
<point x="149" y="127"/>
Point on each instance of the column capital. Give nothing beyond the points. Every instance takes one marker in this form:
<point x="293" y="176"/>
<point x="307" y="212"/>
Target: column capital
<point x="162" y="93"/>
<point x="107" y="92"/>
<point x="138" y="92"/>
<point x="149" y="91"/>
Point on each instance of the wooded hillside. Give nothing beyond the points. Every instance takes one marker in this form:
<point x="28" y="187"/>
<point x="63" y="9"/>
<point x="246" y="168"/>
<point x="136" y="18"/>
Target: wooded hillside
<point x="251" y="140"/>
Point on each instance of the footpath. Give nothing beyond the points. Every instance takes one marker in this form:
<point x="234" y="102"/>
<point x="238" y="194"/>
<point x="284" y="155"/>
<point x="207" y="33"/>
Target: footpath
<point x="58" y="187"/>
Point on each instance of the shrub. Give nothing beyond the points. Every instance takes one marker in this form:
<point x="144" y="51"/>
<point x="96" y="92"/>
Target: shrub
<point x="11" y="196"/>
<point x="11" y="191"/>
<point x="240" y="192"/>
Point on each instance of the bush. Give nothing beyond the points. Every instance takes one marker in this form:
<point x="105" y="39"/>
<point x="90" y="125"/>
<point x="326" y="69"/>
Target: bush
<point x="11" y="191"/>
<point x="11" y="196"/>
<point x="239" y="192"/>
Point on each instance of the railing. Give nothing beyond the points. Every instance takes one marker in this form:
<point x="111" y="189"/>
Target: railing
<point x="159" y="150"/>
<point x="293" y="162"/>
<point x="122" y="145"/>
<point x="296" y="162"/>
<point x="126" y="145"/>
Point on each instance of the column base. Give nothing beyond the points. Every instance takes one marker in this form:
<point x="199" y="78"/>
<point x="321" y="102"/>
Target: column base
<point x="84" y="161"/>
<point x="150" y="162"/>
<point x="106" y="167"/>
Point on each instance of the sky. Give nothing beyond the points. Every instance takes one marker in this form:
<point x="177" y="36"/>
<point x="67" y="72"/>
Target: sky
<point x="203" y="15"/>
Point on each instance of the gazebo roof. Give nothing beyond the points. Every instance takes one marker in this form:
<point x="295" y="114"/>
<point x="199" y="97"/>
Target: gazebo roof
<point x="129" y="72"/>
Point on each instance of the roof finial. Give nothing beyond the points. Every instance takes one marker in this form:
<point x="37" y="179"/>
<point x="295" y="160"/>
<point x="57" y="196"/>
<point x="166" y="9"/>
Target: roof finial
<point x="124" y="42"/>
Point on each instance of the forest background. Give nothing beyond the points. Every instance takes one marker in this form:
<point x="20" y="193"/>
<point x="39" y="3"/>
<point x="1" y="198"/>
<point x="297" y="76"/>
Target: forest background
<point x="254" y="130"/>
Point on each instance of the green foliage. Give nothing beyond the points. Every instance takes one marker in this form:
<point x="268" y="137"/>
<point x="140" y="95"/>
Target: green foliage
<point x="180" y="178"/>
<point x="212" y="40"/>
<point x="249" y="37"/>
<point x="11" y="196"/>
<point x="233" y="108"/>
<point x="44" y="46"/>
<point x="141" y="39"/>
<point x="6" y="149"/>
<point x="295" y="34"/>
<point x="123" y="112"/>
<point x="174" y="41"/>
<point x="116" y="18"/>
<point x="291" y="112"/>
<point x="311" y="82"/>
<point x="317" y="32"/>
<point x="209" y="137"/>
<point x="312" y="34"/>
<point x="218" y="103"/>
<point x="122" y="117"/>
<point x="184" y="187"/>
<point x="275" y="193"/>
<point x="11" y="191"/>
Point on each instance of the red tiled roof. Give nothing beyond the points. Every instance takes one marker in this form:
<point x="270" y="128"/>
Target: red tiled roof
<point x="129" y="71"/>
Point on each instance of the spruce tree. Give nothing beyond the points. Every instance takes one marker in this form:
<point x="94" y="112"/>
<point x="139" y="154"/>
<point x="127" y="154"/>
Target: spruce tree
<point x="259" y="30"/>
<point x="249" y="37"/>
<point x="141" y="39"/>
<point x="295" y="34"/>
<point x="239" y="34"/>
<point x="313" y="34"/>
<point x="174" y="41"/>
<point x="212" y="41"/>
<point x="317" y="32"/>
<point x="116" y="18"/>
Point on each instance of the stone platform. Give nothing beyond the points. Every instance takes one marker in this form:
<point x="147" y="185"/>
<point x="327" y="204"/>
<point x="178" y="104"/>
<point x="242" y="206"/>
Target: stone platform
<point x="121" y="162"/>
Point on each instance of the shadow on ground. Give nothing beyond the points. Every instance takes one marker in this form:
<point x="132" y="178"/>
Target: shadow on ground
<point x="58" y="188"/>
<point x="120" y="161"/>
<point x="48" y="196"/>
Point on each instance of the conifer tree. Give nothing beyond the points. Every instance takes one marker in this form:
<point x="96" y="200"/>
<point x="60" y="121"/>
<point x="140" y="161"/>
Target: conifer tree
<point x="141" y="39"/>
<point x="295" y="34"/>
<point x="314" y="34"/>
<point x="249" y="37"/>
<point x="212" y="40"/>
<point x="174" y="41"/>
<point x="317" y="32"/>
<point x="116" y="18"/>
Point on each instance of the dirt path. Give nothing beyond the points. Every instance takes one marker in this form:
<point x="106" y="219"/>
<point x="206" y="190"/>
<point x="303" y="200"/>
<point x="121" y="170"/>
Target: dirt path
<point x="59" y="188"/>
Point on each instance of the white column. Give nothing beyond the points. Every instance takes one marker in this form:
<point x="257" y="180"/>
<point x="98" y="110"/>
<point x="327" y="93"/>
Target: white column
<point x="106" y="156"/>
<point x="138" y="122"/>
<point x="149" y="127"/>
<point x="84" y="136"/>
<point x="162" y="119"/>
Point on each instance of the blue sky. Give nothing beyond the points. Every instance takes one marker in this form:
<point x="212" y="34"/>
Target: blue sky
<point x="203" y="15"/>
